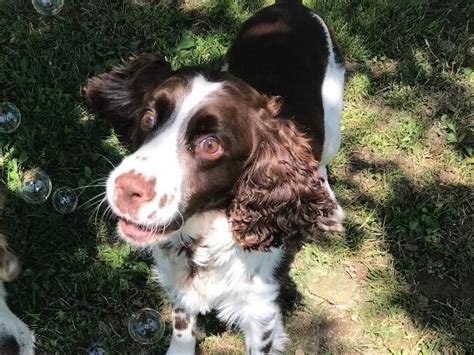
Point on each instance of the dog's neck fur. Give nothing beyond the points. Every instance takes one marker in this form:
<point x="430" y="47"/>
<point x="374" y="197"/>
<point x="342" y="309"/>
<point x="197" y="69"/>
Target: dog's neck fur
<point x="203" y="268"/>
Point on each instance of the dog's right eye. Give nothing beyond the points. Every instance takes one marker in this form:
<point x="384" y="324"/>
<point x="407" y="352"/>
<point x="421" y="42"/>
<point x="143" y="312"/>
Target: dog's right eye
<point x="148" y="120"/>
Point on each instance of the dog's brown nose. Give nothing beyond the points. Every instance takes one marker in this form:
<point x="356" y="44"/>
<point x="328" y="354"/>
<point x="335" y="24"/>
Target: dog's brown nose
<point x="132" y="190"/>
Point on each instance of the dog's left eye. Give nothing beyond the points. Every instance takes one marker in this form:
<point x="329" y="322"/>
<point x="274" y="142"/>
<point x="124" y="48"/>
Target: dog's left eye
<point x="148" y="120"/>
<point x="210" y="147"/>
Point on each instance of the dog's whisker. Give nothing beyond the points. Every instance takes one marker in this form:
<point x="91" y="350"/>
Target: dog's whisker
<point x="107" y="160"/>
<point x="92" y="201"/>
<point x="181" y="223"/>
<point x="110" y="212"/>
<point x="106" y="213"/>
<point x="81" y="188"/>
<point x="97" y="209"/>
<point x="94" y="210"/>
<point x="98" y="183"/>
<point x="101" y="179"/>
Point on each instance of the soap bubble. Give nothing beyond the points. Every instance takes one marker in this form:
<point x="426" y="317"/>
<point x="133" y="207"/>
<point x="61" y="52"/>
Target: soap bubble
<point x="36" y="186"/>
<point x="64" y="200"/>
<point x="10" y="117"/>
<point x="48" y="7"/>
<point x="146" y="326"/>
<point x="97" y="349"/>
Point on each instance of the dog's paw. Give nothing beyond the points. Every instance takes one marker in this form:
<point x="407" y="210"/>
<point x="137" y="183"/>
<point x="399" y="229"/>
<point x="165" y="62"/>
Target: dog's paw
<point x="333" y="223"/>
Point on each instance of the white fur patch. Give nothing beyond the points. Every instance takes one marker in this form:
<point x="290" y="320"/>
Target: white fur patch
<point x="332" y="94"/>
<point x="231" y="280"/>
<point x="12" y="326"/>
<point x="239" y="285"/>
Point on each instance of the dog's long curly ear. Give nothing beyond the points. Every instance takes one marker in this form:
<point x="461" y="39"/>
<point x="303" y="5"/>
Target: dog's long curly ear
<point x="117" y="95"/>
<point x="280" y="197"/>
<point x="9" y="265"/>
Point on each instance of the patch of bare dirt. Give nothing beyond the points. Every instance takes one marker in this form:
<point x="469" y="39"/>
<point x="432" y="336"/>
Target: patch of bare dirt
<point x="316" y="334"/>
<point x="225" y="344"/>
<point x="356" y="270"/>
<point x="366" y="156"/>
<point x="336" y="288"/>
<point x="413" y="166"/>
<point x="304" y="327"/>
<point x="374" y="69"/>
<point x="436" y="137"/>
<point x="327" y="321"/>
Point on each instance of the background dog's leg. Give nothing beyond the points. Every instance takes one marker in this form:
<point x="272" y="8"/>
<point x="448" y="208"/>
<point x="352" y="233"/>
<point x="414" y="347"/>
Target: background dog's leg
<point x="334" y="222"/>
<point x="263" y="330"/>
<point x="14" y="334"/>
<point x="9" y="265"/>
<point x="184" y="334"/>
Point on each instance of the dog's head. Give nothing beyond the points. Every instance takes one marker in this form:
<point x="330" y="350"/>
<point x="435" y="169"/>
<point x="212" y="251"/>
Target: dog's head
<point x="203" y="140"/>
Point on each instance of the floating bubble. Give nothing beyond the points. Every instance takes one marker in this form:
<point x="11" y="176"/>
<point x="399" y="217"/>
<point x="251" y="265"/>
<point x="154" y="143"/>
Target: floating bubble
<point x="36" y="186"/>
<point x="64" y="200"/>
<point x="146" y="326"/>
<point x="97" y="349"/>
<point x="48" y="7"/>
<point x="10" y="117"/>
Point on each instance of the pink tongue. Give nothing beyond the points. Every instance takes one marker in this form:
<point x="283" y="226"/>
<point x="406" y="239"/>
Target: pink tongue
<point x="133" y="231"/>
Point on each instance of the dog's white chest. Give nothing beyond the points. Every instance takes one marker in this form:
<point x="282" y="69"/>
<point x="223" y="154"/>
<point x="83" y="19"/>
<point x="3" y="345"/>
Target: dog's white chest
<point x="203" y="267"/>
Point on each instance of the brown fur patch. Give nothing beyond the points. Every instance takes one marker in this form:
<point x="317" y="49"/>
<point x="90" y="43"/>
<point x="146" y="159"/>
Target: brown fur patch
<point x="266" y="349"/>
<point x="280" y="197"/>
<point x="116" y="96"/>
<point x="181" y="323"/>
<point x="9" y="346"/>
<point x="163" y="201"/>
<point x="266" y="335"/>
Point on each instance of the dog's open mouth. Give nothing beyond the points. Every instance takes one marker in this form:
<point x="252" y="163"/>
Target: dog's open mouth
<point x="140" y="234"/>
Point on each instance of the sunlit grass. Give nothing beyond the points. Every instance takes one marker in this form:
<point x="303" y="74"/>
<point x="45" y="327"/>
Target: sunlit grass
<point x="403" y="174"/>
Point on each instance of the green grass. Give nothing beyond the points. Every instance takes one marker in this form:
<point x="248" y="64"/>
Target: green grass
<point x="404" y="174"/>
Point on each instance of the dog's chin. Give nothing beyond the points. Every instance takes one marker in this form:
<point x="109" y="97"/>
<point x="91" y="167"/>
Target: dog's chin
<point x="142" y="236"/>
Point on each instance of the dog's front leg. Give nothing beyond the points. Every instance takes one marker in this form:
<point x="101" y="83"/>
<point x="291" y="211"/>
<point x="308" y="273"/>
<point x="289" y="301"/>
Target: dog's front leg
<point x="184" y="334"/>
<point x="263" y="329"/>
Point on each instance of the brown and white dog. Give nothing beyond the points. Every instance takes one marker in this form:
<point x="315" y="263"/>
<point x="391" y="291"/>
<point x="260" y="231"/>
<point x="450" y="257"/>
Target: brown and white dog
<point x="222" y="179"/>
<point x="15" y="336"/>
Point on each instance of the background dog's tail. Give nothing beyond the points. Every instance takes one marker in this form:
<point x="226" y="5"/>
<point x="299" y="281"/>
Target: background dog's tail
<point x="288" y="1"/>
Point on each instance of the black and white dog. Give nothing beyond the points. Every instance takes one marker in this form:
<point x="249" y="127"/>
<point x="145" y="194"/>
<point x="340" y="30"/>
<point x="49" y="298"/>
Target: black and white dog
<point x="227" y="171"/>
<point x="15" y="336"/>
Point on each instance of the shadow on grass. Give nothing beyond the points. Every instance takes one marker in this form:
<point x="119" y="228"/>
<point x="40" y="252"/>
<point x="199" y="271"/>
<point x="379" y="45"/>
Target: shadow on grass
<point x="45" y="61"/>
<point x="427" y="229"/>
<point x="78" y="293"/>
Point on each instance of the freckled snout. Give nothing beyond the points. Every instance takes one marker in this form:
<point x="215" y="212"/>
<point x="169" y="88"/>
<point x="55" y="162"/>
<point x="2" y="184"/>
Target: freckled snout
<point x="132" y="190"/>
